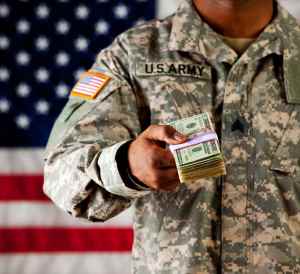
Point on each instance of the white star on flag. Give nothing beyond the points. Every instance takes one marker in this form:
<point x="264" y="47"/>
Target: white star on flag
<point x="4" y="11"/>
<point x="23" y="26"/>
<point x="62" y="90"/>
<point x="102" y="27"/>
<point x="81" y="44"/>
<point x="23" y="90"/>
<point x="22" y="121"/>
<point x="42" y="43"/>
<point x="42" y="75"/>
<point x="4" y="74"/>
<point x="62" y="59"/>
<point x="23" y="58"/>
<point x="42" y="11"/>
<point x="82" y="12"/>
<point x="121" y="11"/>
<point x="4" y="105"/>
<point x="42" y="107"/>
<point x="62" y="27"/>
<point x="4" y="42"/>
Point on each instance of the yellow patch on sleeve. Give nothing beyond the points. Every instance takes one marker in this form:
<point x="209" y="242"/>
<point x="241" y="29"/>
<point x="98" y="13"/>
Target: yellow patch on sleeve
<point x="90" y="84"/>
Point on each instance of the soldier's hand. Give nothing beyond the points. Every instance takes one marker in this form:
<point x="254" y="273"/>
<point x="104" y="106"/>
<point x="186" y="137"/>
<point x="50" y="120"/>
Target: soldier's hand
<point x="151" y="162"/>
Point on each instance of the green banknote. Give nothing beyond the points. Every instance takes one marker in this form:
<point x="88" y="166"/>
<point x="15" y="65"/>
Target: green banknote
<point x="197" y="152"/>
<point x="200" y="156"/>
<point x="194" y="124"/>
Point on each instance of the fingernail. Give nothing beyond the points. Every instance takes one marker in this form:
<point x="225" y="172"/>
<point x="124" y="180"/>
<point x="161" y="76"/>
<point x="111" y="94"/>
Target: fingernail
<point x="178" y="136"/>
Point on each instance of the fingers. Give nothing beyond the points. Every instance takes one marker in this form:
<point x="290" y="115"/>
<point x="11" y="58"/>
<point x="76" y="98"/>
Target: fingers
<point x="165" y="133"/>
<point x="167" y="179"/>
<point x="168" y="175"/>
<point x="172" y="187"/>
<point x="151" y="163"/>
<point x="161" y="158"/>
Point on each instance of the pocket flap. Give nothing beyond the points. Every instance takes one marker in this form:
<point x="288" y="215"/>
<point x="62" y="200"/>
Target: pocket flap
<point x="284" y="166"/>
<point x="286" y="157"/>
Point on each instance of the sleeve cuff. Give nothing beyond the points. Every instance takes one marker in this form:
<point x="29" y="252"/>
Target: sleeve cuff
<point x="111" y="177"/>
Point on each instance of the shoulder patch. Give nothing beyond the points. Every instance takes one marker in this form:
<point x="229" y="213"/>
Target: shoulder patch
<point x="90" y="84"/>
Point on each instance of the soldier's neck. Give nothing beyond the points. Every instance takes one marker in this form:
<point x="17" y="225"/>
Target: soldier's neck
<point x="236" y="18"/>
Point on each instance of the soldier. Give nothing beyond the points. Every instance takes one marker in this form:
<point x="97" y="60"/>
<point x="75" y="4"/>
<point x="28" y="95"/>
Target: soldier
<point x="237" y="60"/>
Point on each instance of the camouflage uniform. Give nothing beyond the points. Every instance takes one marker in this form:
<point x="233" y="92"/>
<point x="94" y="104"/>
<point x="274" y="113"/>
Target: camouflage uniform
<point x="246" y="222"/>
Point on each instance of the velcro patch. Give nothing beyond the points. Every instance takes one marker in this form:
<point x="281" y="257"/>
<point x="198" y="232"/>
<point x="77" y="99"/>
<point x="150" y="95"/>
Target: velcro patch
<point x="173" y="69"/>
<point x="90" y="84"/>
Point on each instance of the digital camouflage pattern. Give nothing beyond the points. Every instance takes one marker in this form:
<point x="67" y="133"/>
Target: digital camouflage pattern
<point x="246" y="222"/>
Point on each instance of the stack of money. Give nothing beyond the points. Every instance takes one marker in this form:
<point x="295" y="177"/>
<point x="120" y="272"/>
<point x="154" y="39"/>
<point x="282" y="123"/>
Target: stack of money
<point x="200" y="156"/>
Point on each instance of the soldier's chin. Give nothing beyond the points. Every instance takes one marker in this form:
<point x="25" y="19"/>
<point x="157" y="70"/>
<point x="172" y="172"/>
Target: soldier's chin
<point x="240" y="1"/>
<point x="233" y="2"/>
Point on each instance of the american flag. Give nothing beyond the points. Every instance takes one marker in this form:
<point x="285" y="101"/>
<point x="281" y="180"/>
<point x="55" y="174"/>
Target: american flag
<point x="90" y="84"/>
<point x="44" y="48"/>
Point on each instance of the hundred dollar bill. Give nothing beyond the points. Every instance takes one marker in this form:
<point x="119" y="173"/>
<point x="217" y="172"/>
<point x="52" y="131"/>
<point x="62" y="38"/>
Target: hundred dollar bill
<point x="200" y="156"/>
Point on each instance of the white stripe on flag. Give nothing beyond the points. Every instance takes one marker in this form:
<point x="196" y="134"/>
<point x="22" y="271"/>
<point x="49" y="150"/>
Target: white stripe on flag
<point x="96" y="80"/>
<point x="21" y="161"/>
<point x="165" y="8"/>
<point x="30" y="214"/>
<point x="84" y="91"/>
<point x="88" y="86"/>
<point x="75" y="263"/>
<point x="293" y="6"/>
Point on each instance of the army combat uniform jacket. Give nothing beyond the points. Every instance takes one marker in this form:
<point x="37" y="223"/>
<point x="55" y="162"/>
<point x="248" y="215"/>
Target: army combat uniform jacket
<point x="245" y="222"/>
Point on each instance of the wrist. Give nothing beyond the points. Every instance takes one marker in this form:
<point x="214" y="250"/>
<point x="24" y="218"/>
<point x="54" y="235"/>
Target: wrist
<point x="123" y="166"/>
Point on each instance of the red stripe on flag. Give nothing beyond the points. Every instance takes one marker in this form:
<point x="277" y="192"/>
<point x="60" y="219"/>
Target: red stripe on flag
<point x="24" y="240"/>
<point x="22" y="188"/>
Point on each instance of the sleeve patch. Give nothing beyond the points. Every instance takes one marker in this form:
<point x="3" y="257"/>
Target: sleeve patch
<point x="90" y="84"/>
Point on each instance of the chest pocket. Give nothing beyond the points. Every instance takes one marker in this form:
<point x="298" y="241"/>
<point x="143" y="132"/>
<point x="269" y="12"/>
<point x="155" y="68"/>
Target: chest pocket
<point x="286" y="159"/>
<point x="191" y="96"/>
<point x="174" y="89"/>
<point x="172" y="97"/>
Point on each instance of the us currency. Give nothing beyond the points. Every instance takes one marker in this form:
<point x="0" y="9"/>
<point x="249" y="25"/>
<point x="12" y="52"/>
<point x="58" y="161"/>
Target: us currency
<point x="200" y="156"/>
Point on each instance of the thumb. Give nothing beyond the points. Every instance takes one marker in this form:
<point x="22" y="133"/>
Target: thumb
<point x="164" y="133"/>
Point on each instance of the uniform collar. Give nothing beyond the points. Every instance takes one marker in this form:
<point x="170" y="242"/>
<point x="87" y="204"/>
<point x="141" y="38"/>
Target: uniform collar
<point x="190" y="33"/>
<point x="289" y="30"/>
<point x="282" y="36"/>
